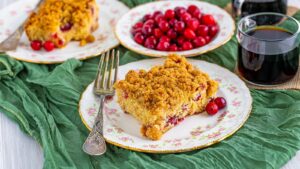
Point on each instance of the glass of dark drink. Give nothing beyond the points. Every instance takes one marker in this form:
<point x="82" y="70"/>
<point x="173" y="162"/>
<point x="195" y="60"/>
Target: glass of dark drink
<point x="268" y="52"/>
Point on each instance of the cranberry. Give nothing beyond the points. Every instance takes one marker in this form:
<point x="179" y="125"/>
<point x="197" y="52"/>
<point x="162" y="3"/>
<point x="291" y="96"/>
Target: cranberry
<point x="189" y="33"/>
<point x="157" y="13"/>
<point x="164" y="25"/>
<point x="192" y="8"/>
<point x="197" y="97"/>
<point x="164" y="38"/>
<point x="180" y="49"/>
<point x="169" y="14"/>
<point x="172" y="22"/>
<point x="66" y="27"/>
<point x="163" y="46"/>
<point x="207" y="39"/>
<point x="179" y="26"/>
<point x="193" y="24"/>
<point x="49" y="46"/>
<point x="220" y="102"/>
<point x="147" y="17"/>
<point x="187" y="45"/>
<point x="186" y="17"/>
<point x="159" y="18"/>
<point x="36" y="44"/>
<point x="150" y="42"/>
<point x="173" y="47"/>
<point x="199" y="41"/>
<point x="172" y="34"/>
<point x="157" y="32"/>
<point x="211" y="108"/>
<point x="197" y="14"/>
<point x="213" y="31"/>
<point x="138" y="25"/>
<point x="149" y="22"/>
<point x="139" y="38"/>
<point x="180" y="40"/>
<point x="137" y="30"/>
<point x="202" y="30"/>
<point x="173" y="120"/>
<point x="179" y="11"/>
<point x="208" y="20"/>
<point x="147" y="30"/>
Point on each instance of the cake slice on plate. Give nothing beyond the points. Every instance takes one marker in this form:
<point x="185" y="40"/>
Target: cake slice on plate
<point x="162" y="97"/>
<point x="61" y="21"/>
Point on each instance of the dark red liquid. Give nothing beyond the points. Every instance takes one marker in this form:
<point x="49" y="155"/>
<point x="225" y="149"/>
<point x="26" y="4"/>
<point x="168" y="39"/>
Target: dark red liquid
<point x="268" y="69"/>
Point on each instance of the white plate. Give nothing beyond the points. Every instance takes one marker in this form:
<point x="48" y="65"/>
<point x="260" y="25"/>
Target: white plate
<point x="125" y="24"/>
<point x="194" y="132"/>
<point x="16" y="13"/>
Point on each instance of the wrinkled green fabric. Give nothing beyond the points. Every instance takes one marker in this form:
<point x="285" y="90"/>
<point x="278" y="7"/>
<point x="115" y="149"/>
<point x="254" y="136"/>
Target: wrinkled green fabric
<point x="43" y="100"/>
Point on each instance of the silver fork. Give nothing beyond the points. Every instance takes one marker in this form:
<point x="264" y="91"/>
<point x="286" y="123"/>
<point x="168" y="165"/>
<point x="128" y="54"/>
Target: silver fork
<point x="103" y="86"/>
<point x="11" y="42"/>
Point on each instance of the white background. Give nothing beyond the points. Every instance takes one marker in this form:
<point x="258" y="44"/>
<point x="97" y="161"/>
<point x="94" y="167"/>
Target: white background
<point x="18" y="151"/>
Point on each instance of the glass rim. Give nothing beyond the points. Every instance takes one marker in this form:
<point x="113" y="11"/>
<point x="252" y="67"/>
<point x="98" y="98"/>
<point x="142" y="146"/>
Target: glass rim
<point x="268" y="13"/>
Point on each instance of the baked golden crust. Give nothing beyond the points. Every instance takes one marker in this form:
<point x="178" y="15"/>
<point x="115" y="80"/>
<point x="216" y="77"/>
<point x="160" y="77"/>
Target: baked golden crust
<point x="155" y="98"/>
<point x="61" y="21"/>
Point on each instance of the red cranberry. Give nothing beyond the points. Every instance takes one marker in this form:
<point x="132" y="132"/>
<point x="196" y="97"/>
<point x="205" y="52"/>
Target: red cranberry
<point x="150" y="42"/>
<point x="169" y="14"/>
<point x="164" y="39"/>
<point x="186" y="17"/>
<point x="220" y="102"/>
<point x="147" y="17"/>
<point x="207" y="39"/>
<point x="36" y="44"/>
<point x="172" y="34"/>
<point x="213" y="31"/>
<point x="164" y="25"/>
<point x="180" y="40"/>
<point x="173" y="47"/>
<point x="138" y="25"/>
<point x="199" y="41"/>
<point x="180" y="49"/>
<point x="192" y="8"/>
<point x="187" y="46"/>
<point x="197" y="14"/>
<point x="208" y="20"/>
<point x="179" y="11"/>
<point x="179" y="26"/>
<point x="189" y="33"/>
<point x="66" y="27"/>
<point x="172" y="22"/>
<point x="49" y="46"/>
<point x="202" y="30"/>
<point x="149" y="22"/>
<point x="193" y="24"/>
<point x="147" y="30"/>
<point x="157" y="13"/>
<point x="139" y="38"/>
<point x="137" y="30"/>
<point x="159" y="18"/>
<point x="157" y="32"/>
<point x="163" y="46"/>
<point x="211" y="108"/>
<point x="173" y="120"/>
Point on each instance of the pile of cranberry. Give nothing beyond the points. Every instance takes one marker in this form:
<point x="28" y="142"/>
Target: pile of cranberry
<point x="37" y="45"/>
<point x="215" y="105"/>
<point x="175" y="30"/>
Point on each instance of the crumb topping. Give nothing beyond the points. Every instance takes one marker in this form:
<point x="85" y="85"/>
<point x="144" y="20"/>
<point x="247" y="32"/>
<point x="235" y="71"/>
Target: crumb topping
<point x="164" y="87"/>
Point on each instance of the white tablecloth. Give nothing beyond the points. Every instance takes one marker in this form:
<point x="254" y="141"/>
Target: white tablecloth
<point x="18" y="151"/>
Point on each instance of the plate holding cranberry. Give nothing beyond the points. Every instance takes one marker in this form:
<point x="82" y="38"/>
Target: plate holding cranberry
<point x="187" y="28"/>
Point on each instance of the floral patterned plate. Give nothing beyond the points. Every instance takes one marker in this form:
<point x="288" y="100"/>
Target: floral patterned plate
<point x="13" y="15"/>
<point x="194" y="132"/>
<point x="124" y="25"/>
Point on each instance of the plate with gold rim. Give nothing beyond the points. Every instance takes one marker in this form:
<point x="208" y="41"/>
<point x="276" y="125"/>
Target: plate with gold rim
<point x="124" y="25"/>
<point x="195" y="132"/>
<point x="13" y="15"/>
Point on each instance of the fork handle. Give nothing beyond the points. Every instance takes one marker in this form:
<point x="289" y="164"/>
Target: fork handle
<point x="98" y="124"/>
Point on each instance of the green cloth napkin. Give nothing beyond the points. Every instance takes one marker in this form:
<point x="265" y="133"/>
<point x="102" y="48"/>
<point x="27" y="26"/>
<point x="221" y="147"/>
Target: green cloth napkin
<point x="43" y="100"/>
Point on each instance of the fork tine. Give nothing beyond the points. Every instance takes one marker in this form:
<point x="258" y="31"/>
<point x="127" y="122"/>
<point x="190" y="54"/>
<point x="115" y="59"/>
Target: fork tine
<point x="103" y="78"/>
<point x="98" y="75"/>
<point x="116" y="66"/>
<point x="109" y="81"/>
